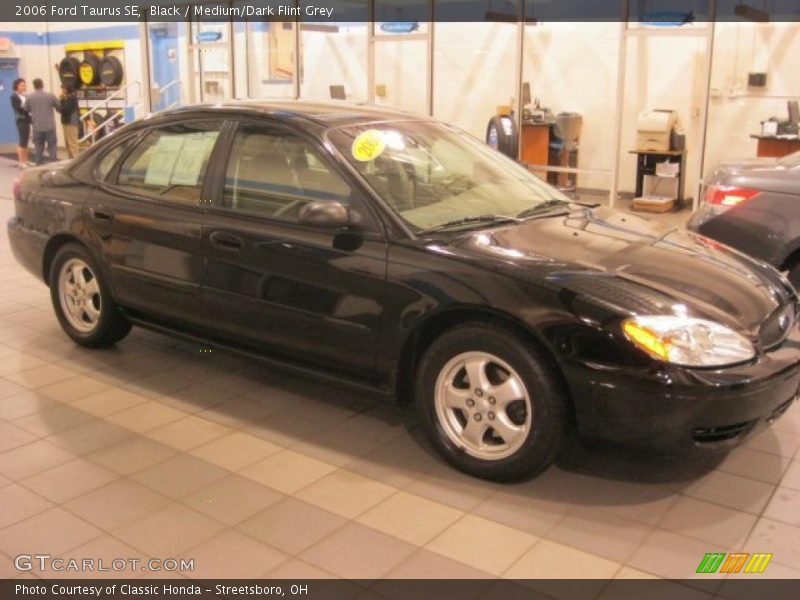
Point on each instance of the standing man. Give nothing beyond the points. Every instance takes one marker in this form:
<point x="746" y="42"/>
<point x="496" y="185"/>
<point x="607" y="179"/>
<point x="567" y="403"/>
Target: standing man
<point x="22" y="117"/>
<point x="41" y="105"/>
<point x="70" y="119"/>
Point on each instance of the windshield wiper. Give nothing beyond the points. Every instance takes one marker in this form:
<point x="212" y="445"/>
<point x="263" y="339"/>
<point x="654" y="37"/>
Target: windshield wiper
<point x="469" y="220"/>
<point x="545" y="207"/>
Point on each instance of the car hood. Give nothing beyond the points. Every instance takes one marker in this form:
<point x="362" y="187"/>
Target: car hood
<point x="636" y="266"/>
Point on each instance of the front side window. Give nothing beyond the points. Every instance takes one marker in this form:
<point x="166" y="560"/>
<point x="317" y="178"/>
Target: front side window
<point x="274" y="175"/>
<point x="170" y="162"/>
<point x="432" y="175"/>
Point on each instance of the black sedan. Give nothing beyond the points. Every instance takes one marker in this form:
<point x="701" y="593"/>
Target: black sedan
<point x="401" y="255"/>
<point x="754" y="206"/>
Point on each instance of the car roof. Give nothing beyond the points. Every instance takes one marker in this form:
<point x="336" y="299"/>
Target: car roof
<point x="325" y="113"/>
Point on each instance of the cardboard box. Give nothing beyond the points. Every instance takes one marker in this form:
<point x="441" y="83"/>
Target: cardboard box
<point x="653" y="204"/>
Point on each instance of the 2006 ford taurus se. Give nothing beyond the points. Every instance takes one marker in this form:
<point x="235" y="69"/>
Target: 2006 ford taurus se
<point x="399" y="254"/>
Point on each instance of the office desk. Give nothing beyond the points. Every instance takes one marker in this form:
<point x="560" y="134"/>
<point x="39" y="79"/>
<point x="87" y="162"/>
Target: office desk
<point x="646" y="165"/>
<point x="775" y="147"/>
<point x="535" y="143"/>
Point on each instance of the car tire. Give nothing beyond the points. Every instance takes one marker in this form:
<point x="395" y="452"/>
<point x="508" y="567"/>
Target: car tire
<point x="502" y="135"/>
<point x="509" y="427"/>
<point x="81" y="299"/>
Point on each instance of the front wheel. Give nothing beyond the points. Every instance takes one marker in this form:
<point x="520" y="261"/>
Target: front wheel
<point x="81" y="300"/>
<point x="490" y="404"/>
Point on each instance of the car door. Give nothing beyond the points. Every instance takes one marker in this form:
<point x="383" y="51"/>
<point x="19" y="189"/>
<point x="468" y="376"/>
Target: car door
<point x="149" y="213"/>
<point x="304" y="292"/>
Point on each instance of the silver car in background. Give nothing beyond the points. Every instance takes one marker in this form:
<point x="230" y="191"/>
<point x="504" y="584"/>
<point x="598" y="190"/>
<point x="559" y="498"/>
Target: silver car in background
<point x="754" y="206"/>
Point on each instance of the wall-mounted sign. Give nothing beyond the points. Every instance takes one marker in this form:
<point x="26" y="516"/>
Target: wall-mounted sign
<point x="400" y="26"/>
<point x="667" y="18"/>
<point x="208" y="36"/>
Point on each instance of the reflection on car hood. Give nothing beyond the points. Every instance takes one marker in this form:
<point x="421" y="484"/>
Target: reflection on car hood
<point x="636" y="265"/>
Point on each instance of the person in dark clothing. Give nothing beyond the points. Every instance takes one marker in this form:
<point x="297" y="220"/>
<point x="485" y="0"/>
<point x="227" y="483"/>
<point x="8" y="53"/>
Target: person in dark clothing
<point x="70" y="119"/>
<point x="41" y="105"/>
<point x="22" y="117"/>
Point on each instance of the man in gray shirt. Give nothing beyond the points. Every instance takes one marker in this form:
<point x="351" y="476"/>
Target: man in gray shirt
<point x="41" y="105"/>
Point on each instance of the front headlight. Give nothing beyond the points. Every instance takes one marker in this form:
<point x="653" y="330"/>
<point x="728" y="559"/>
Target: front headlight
<point x="688" y="341"/>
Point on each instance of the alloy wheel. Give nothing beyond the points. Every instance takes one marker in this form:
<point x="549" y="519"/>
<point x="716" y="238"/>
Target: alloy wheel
<point x="483" y="405"/>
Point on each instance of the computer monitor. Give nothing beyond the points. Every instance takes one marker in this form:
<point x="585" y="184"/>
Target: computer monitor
<point x="794" y="112"/>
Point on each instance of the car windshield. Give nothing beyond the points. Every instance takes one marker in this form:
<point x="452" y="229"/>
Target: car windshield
<point x="435" y="176"/>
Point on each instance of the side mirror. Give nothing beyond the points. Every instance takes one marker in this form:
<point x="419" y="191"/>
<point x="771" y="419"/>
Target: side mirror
<point x="330" y="214"/>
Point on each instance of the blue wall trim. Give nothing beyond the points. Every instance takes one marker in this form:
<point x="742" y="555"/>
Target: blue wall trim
<point x="73" y="36"/>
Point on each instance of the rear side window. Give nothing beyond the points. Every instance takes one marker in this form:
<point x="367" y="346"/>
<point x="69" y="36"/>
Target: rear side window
<point x="106" y="164"/>
<point x="170" y="162"/>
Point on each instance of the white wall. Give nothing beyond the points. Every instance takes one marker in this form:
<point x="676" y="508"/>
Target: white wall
<point x="475" y="70"/>
<point x="572" y="67"/>
<point x="334" y="58"/>
<point x="736" y="112"/>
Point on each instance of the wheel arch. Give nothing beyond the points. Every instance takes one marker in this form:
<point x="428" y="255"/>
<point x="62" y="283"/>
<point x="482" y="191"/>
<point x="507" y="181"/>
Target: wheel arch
<point x="51" y="249"/>
<point x="427" y="331"/>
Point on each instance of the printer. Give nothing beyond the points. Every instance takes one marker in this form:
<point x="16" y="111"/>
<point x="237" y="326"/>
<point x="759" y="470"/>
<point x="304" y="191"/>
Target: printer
<point x="654" y="130"/>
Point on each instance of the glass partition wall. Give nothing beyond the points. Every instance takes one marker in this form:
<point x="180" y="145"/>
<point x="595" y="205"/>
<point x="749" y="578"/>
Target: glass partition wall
<point x="576" y="91"/>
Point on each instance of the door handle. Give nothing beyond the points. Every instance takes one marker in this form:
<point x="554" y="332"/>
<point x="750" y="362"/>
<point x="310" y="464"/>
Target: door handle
<point x="226" y="241"/>
<point x="100" y="214"/>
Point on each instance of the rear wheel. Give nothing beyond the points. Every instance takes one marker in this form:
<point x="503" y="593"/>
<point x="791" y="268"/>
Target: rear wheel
<point x="490" y="404"/>
<point x="81" y="300"/>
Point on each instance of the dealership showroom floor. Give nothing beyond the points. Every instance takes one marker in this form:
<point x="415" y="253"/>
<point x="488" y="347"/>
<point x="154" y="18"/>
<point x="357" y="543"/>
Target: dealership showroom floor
<point x="159" y="448"/>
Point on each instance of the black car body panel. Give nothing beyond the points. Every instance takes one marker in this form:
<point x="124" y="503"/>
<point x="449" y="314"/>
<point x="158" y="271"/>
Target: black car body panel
<point x="361" y="305"/>
<point x="768" y="226"/>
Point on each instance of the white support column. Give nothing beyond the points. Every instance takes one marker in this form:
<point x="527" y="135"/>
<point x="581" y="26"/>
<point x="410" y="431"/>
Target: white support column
<point x="430" y="57"/>
<point x="618" y="113"/>
<point x="708" y="63"/>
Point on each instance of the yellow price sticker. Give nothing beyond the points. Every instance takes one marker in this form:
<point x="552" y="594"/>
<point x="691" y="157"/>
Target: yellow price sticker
<point x="368" y="145"/>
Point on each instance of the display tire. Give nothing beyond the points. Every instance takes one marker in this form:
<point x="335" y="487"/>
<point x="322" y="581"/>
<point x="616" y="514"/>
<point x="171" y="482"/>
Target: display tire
<point x="90" y="64"/>
<point x="111" y="71"/>
<point x="110" y="325"/>
<point x="545" y="433"/>
<point x="505" y="130"/>
<point x="68" y="70"/>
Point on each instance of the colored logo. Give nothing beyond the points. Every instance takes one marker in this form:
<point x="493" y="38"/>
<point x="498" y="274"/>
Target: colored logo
<point x="399" y="26"/>
<point x="736" y="562"/>
<point x="208" y="36"/>
<point x="667" y="18"/>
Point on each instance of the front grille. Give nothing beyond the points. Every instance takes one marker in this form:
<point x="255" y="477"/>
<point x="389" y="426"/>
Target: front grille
<point x="777" y="326"/>
<point x="713" y="435"/>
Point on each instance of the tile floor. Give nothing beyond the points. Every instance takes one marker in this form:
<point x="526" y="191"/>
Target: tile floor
<point x="155" y="449"/>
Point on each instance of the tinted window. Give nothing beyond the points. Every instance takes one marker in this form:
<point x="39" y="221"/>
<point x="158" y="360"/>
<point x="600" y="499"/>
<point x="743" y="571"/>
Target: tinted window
<point x="274" y="175"/>
<point x="170" y="162"/>
<point x="107" y="162"/>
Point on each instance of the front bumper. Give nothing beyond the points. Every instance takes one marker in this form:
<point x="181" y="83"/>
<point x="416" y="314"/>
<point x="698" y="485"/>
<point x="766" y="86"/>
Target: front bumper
<point x="674" y="408"/>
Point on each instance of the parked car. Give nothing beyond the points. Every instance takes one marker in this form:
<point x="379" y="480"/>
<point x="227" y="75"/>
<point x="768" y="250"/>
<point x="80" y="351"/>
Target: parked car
<point x="401" y="255"/>
<point x="754" y="206"/>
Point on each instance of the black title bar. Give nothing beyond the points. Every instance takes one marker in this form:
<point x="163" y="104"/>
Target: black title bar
<point x="657" y="13"/>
